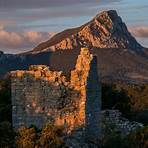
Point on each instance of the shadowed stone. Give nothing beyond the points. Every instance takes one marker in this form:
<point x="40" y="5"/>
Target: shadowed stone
<point x="40" y="96"/>
<point x="93" y="104"/>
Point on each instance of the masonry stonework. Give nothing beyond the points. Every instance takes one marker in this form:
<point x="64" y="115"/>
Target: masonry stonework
<point x="40" y="96"/>
<point x="85" y="80"/>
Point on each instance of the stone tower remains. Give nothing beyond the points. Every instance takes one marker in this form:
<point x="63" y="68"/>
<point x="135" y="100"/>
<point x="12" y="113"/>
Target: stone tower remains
<point x="40" y="96"/>
<point x="85" y="80"/>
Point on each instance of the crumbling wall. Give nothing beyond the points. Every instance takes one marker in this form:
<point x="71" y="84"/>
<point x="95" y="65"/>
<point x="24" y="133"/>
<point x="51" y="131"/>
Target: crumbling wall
<point x="85" y="79"/>
<point x="79" y="78"/>
<point x="40" y="96"/>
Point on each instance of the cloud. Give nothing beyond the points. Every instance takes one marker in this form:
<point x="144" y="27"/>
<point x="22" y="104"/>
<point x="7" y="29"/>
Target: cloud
<point x="141" y="34"/>
<point x="20" y="13"/>
<point x="38" y="4"/>
<point x="34" y="9"/>
<point x="1" y="27"/>
<point x="139" y="31"/>
<point x="19" y="4"/>
<point x="18" y="42"/>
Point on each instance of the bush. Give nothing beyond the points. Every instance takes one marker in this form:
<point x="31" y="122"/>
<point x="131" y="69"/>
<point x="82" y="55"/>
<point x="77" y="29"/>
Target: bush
<point x="26" y="138"/>
<point x="138" y="138"/>
<point x="115" y="98"/>
<point x="6" y="135"/>
<point x="5" y="101"/>
<point x="131" y="100"/>
<point x="51" y="137"/>
<point x="135" y="139"/>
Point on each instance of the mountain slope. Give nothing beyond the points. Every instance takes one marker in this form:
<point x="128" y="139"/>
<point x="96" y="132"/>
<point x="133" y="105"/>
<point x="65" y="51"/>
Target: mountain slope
<point x="120" y="57"/>
<point x="106" y="30"/>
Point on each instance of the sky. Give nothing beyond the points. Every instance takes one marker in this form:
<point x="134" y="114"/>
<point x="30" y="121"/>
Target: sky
<point x="26" y="23"/>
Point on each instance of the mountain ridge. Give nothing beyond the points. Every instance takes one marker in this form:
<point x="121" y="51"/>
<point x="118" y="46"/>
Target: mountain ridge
<point x="105" y="30"/>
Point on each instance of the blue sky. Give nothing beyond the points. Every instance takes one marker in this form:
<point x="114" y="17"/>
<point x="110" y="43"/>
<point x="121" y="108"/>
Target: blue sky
<point x="24" y="24"/>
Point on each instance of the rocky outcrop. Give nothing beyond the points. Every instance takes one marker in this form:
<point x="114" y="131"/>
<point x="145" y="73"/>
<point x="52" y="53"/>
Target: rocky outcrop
<point x="106" y="30"/>
<point x="40" y="96"/>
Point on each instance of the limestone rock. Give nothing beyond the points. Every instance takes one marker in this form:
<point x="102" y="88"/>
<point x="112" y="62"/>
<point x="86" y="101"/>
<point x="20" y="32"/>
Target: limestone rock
<point x="105" y="30"/>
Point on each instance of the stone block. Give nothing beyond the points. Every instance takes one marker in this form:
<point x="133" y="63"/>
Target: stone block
<point x="19" y="73"/>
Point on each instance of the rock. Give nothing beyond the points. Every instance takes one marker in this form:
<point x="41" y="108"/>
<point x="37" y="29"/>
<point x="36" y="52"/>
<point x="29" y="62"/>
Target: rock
<point x="19" y="73"/>
<point x="38" y="67"/>
<point x="119" y="123"/>
<point x="105" y="30"/>
<point x="37" y="74"/>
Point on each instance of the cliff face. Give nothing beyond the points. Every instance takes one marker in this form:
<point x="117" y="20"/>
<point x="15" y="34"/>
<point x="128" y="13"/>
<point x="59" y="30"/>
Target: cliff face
<point x="106" y="30"/>
<point x="40" y="96"/>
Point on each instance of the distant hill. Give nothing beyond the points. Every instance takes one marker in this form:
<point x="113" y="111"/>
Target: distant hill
<point x="120" y="57"/>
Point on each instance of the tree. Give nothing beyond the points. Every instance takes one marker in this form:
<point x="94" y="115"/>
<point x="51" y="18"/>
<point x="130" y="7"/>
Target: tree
<point x="26" y="138"/>
<point x="5" y="100"/>
<point x="114" y="97"/>
<point x="138" y="138"/>
<point x="51" y="136"/>
<point x="6" y="135"/>
<point x="135" y="139"/>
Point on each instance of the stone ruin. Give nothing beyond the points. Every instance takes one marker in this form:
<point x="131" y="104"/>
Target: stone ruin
<point x="114" y="120"/>
<point x="40" y="96"/>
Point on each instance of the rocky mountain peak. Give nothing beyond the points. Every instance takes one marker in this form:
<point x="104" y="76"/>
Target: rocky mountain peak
<point x="105" y="30"/>
<point x="108" y="17"/>
<point x="112" y="14"/>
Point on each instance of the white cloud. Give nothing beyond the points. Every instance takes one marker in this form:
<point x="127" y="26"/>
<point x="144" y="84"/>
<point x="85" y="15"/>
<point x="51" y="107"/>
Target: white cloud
<point x="1" y="27"/>
<point x="140" y="31"/>
<point x="16" y="41"/>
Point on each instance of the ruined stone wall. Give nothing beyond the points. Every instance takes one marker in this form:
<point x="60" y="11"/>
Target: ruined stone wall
<point x="79" y="78"/>
<point x="40" y="96"/>
<point x="85" y="79"/>
<point x="113" y="119"/>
